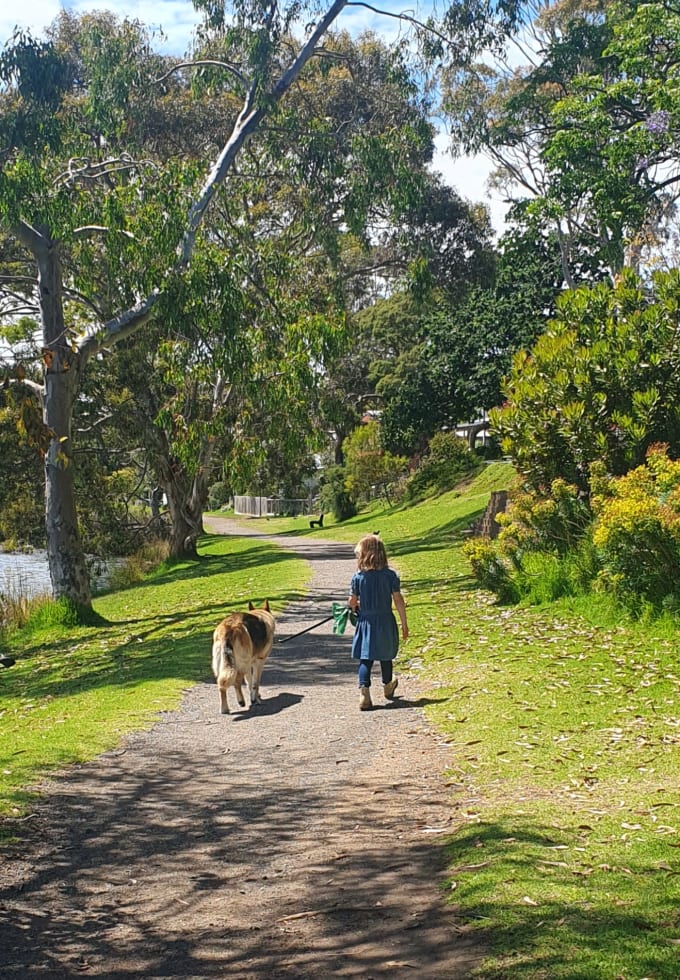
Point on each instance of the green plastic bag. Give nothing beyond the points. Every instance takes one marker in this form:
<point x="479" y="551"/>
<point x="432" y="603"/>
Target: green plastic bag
<point x="342" y="613"/>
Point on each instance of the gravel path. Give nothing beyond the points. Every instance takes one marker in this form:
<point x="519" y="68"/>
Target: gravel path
<point x="302" y="839"/>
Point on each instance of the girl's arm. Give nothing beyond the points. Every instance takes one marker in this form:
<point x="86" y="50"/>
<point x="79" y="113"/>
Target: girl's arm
<point x="353" y="602"/>
<point x="400" y="606"/>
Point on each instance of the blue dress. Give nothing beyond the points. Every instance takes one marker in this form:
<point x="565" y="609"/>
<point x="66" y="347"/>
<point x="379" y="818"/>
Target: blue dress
<point x="376" y="636"/>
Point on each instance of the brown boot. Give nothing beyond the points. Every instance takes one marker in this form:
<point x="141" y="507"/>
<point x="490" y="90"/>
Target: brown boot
<point x="390" y="688"/>
<point x="364" y="699"/>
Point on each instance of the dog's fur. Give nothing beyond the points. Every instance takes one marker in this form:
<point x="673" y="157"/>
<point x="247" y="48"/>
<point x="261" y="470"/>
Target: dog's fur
<point x="318" y="523"/>
<point x="241" y="644"/>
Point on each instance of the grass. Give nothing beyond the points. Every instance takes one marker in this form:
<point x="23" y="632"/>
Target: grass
<point x="74" y="692"/>
<point x="563" y="722"/>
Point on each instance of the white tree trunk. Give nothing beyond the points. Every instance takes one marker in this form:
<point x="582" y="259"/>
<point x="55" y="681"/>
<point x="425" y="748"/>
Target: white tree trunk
<point x="68" y="569"/>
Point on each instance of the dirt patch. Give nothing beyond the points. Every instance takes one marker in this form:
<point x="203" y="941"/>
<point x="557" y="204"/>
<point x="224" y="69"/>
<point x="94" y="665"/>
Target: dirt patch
<point x="302" y="839"/>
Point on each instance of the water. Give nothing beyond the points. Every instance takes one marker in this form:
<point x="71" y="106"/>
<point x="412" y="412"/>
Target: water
<point x="29" y="574"/>
<point x="25" y="574"/>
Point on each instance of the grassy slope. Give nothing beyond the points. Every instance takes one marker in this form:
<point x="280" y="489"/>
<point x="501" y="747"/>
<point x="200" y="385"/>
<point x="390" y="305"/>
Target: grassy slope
<point x="564" y="732"/>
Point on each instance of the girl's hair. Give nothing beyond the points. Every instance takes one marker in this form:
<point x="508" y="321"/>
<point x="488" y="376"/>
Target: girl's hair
<point x="371" y="554"/>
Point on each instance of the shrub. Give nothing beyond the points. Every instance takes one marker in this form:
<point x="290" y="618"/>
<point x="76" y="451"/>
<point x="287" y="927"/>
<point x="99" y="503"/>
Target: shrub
<point x="637" y="532"/>
<point x="490" y="569"/>
<point x="334" y="496"/>
<point x="447" y="460"/>
<point x="218" y="495"/>
<point x="543" y="551"/>
<point x="22" y="521"/>
<point x="369" y="467"/>
<point x="136" y="567"/>
<point x="553" y="522"/>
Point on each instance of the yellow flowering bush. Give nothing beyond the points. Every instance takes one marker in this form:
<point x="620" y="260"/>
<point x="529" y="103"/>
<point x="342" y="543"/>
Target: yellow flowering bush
<point x="542" y="552"/>
<point x="637" y="530"/>
<point x="551" y="522"/>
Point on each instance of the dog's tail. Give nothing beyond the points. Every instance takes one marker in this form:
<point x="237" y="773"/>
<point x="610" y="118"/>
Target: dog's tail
<point x="224" y="643"/>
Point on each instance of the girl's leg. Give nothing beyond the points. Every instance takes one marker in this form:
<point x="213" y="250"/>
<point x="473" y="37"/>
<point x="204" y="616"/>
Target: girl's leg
<point x="389" y="684"/>
<point x="365" y="667"/>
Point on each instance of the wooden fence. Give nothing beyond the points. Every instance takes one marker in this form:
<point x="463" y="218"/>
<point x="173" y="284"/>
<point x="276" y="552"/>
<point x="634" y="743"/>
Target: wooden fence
<point x="272" y="506"/>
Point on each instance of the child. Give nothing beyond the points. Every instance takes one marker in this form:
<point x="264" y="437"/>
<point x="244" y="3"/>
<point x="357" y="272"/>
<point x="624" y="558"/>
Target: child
<point x="373" y="589"/>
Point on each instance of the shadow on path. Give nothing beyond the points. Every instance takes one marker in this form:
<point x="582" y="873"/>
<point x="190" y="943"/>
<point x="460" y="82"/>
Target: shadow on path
<point x="298" y="839"/>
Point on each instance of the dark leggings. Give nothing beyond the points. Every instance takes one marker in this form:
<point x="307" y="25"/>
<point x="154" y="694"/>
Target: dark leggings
<point x="365" y="667"/>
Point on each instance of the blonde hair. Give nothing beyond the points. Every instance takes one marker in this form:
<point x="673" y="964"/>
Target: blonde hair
<point x="371" y="554"/>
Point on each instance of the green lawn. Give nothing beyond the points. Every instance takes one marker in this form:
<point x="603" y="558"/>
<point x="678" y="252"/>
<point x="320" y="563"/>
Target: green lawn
<point x="73" y="693"/>
<point x="563" y="720"/>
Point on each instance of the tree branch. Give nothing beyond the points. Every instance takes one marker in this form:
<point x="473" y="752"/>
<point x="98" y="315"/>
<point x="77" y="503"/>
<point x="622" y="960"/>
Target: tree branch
<point x="403" y="17"/>
<point x="202" y="64"/>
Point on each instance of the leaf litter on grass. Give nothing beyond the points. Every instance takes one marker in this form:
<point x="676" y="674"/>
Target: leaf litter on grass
<point x="564" y="734"/>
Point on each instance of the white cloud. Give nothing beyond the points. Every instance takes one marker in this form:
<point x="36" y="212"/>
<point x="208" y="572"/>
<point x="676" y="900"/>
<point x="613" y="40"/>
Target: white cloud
<point x="175" y="18"/>
<point x="469" y="176"/>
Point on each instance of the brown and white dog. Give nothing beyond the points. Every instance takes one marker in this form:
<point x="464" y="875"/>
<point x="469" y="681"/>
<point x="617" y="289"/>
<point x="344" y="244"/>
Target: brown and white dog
<point x="241" y="644"/>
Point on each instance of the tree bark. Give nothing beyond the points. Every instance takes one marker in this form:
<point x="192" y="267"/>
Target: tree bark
<point x="186" y="515"/>
<point x="68" y="568"/>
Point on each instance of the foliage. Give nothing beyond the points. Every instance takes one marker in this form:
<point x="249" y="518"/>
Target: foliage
<point x="543" y="551"/>
<point x="445" y="462"/>
<point x="334" y="496"/>
<point x="490" y="568"/>
<point x="586" y="130"/>
<point x="22" y="518"/>
<point x="551" y="522"/>
<point x="620" y="121"/>
<point x="136" y="567"/>
<point x="218" y="495"/>
<point x="637" y="532"/>
<point x="369" y="467"/>
<point x="453" y="368"/>
<point x="602" y="383"/>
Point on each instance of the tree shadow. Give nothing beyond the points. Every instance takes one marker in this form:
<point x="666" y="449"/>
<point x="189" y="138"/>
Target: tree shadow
<point x="586" y="927"/>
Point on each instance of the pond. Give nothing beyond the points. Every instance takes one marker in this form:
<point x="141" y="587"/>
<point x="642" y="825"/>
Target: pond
<point x="24" y="574"/>
<point x="29" y="574"/>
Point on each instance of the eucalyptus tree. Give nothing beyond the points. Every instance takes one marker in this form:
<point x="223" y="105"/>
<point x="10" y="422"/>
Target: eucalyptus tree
<point x="249" y="332"/>
<point x="507" y="110"/>
<point x="586" y="127"/>
<point x="87" y="203"/>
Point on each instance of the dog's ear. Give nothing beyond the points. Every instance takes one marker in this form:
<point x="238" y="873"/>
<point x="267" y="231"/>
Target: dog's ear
<point x="250" y="605"/>
<point x="266" y="605"/>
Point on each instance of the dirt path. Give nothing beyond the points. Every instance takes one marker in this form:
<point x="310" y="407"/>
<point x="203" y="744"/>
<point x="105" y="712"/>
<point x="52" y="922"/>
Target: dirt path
<point x="299" y="840"/>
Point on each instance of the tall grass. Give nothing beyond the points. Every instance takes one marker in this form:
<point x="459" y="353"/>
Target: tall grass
<point x="17" y="603"/>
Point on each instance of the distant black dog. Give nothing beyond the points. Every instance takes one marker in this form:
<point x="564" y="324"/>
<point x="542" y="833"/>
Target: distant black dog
<point x="7" y="661"/>
<point x="318" y="523"/>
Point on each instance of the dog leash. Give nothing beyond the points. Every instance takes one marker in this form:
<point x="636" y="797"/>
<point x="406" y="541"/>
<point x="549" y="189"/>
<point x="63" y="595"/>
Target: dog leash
<point x="341" y="613"/>
<point x="309" y="628"/>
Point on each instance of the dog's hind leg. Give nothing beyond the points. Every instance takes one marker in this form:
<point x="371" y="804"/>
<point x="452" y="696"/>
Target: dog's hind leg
<point x="255" y="678"/>
<point x="238" y="682"/>
<point x="222" y="685"/>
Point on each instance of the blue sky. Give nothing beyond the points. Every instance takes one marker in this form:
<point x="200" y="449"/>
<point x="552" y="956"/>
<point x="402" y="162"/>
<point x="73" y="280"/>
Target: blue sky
<point x="177" y="18"/>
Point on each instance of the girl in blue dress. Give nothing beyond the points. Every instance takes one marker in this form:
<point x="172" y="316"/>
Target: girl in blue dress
<point x="373" y="589"/>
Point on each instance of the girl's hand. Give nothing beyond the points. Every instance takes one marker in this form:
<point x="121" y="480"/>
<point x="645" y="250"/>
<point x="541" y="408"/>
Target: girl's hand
<point x="404" y="632"/>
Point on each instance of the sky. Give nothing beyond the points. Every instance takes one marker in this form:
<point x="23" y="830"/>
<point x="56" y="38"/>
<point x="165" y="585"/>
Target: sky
<point x="177" y="18"/>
